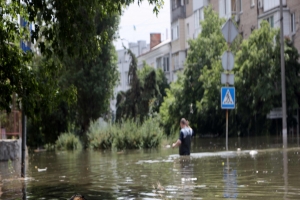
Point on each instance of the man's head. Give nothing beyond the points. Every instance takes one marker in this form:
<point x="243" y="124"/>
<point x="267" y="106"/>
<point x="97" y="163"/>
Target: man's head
<point x="182" y="123"/>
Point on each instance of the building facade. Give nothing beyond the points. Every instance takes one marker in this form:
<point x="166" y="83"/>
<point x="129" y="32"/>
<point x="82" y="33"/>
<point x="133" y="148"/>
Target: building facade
<point x="159" y="58"/>
<point x="250" y="13"/>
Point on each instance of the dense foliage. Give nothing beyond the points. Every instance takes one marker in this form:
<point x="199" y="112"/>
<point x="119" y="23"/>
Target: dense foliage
<point x="72" y="53"/>
<point x="68" y="141"/>
<point x="258" y="78"/>
<point x="127" y="134"/>
<point x="15" y="72"/>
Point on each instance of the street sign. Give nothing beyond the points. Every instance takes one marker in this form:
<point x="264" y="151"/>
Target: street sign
<point x="227" y="79"/>
<point x="229" y="31"/>
<point x="227" y="97"/>
<point x="227" y="60"/>
<point x="275" y="113"/>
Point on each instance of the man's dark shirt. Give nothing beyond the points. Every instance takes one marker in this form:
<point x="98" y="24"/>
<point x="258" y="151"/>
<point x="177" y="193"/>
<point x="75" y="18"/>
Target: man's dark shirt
<point x="185" y="138"/>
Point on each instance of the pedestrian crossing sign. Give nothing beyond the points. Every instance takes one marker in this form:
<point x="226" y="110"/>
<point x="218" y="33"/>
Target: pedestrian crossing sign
<point x="227" y="97"/>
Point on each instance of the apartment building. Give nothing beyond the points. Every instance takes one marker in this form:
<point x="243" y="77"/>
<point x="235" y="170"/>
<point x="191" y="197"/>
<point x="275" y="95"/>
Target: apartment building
<point x="250" y="13"/>
<point x="178" y="38"/>
<point x="158" y="57"/>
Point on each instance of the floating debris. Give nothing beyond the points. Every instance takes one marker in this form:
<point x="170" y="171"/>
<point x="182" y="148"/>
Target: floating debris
<point x="42" y="170"/>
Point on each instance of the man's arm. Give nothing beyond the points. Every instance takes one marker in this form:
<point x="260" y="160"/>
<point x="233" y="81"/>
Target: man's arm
<point x="177" y="143"/>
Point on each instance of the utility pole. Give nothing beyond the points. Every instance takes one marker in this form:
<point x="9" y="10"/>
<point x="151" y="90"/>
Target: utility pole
<point x="283" y="92"/>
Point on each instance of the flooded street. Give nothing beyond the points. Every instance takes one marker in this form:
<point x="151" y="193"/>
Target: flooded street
<point x="259" y="169"/>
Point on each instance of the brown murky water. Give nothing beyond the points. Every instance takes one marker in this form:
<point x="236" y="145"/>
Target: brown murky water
<point x="268" y="172"/>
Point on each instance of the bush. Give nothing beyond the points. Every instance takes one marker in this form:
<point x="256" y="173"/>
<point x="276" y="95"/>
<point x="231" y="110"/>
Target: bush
<point x="68" y="141"/>
<point x="125" y="135"/>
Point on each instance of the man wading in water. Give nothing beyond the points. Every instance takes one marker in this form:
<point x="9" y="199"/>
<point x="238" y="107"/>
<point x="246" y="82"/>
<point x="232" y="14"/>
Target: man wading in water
<point x="184" y="141"/>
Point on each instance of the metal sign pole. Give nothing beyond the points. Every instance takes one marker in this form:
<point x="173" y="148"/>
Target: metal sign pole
<point x="283" y="92"/>
<point x="298" y="127"/>
<point x="226" y="129"/>
<point x="229" y="32"/>
<point x="23" y="156"/>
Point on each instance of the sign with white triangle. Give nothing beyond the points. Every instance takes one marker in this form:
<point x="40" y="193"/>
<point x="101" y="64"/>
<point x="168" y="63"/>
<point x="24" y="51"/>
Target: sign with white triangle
<point x="227" y="97"/>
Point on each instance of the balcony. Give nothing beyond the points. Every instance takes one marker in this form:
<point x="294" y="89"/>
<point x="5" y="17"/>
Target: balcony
<point x="178" y="12"/>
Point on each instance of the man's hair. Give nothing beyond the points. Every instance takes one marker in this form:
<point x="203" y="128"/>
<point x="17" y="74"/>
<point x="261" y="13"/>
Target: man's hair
<point x="183" y="121"/>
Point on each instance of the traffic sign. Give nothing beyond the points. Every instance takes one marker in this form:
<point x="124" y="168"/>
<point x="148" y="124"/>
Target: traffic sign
<point x="227" y="79"/>
<point x="227" y="97"/>
<point x="229" y="31"/>
<point x="227" y="60"/>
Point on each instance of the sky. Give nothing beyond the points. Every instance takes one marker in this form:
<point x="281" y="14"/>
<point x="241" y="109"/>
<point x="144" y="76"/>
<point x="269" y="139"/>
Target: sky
<point x="138" y="21"/>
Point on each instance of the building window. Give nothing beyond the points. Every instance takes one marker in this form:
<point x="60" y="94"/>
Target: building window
<point x="174" y="4"/>
<point x="175" y="30"/>
<point x="158" y="63"/>
<point x="293" y="23"/>
<point x="198" y="17"/>
<point x="234" y="6"/>
<point x="240" y="6"/>
<point x="176" y="60"/>
<point x="166" y="64"/>
<point x="271" y="21"/>
<point x="228" y="7"/>
<point x="188" y="29"/>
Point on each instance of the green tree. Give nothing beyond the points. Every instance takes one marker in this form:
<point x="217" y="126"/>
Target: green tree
<point x="203" y="55"/>
<point x="170" y="109"/>
<point x="94" y="81"/>
<point x="73" y="90"/>
<point x="15" y="73"/>
<point x="160" y="86"/>
<point x="145" y="94"/>
<point x="60" y="28"/>
<point x="53" y="111"/>
<point x="65" y="24"/>
<point x="258" y="79"/>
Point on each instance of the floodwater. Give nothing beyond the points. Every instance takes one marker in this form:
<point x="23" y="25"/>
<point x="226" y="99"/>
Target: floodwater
<point x="260" y="169"/>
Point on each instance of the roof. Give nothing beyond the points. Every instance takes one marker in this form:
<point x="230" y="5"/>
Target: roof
<point x="156" y="47"/>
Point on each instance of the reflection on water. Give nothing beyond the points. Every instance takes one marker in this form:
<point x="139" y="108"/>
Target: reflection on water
<point x="285" y="171"/>
<point x="209" y="173"/>
<point x="230" y="180"/>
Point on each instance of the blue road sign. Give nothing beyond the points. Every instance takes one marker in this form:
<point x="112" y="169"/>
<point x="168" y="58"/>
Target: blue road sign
<point x="227" y="97"/>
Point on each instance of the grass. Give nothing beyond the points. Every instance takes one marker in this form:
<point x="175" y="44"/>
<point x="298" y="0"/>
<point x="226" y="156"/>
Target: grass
<point x="125" y="135"/>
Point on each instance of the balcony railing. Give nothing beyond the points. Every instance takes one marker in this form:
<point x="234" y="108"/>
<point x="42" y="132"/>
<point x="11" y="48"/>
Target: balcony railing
<point x="178" y="12"/>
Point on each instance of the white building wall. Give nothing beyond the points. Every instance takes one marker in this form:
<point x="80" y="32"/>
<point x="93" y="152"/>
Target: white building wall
<point x="270" y="4"/>
<point x="225" y="9"/>
<point x="189" y="30"/>
<point x="197" y="4"/>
